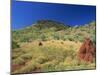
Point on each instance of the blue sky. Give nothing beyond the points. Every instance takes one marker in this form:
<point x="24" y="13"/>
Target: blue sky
<point x="27" y="13"/>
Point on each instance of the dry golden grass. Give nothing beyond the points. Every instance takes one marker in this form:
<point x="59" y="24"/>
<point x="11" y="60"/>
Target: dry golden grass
<point x="53" y="43"/>
<point x="53" y="55"/>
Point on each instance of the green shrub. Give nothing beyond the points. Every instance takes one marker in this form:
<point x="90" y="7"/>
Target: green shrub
<point x="24" y="39"/>
<point x="43" y="37"/>
<point x="65" y="37"/>
<point x="15" y="45"/>
<point x="70" y="38"/>
<point x="27" y="56"/>
<point x="94" y="39"/>
<point x="19" y="61"/>
<point x="81" y="39"/>
<point x="56" y="36"/>
<point x="53" y="53"/>
<point x="41" y="59"/>
<point x="61" y="66"/>
<point x="49" y="66"/>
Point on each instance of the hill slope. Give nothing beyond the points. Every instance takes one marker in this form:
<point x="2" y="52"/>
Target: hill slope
<point x="50" y="46"/>
<point x="47" y="29"/>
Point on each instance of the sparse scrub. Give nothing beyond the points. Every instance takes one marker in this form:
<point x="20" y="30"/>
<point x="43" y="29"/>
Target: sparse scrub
<point x="47" y="46"/>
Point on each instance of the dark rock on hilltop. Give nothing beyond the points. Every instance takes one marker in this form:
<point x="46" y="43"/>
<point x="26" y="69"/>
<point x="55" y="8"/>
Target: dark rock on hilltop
<point x="41" y="24"/>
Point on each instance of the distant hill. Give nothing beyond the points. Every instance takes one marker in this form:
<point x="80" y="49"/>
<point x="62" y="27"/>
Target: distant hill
<point x="48" y="29"/>
<point x="50" y="23"/>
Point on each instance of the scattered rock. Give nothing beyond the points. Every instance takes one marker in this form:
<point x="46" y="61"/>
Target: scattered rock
<point x="40" y="43"/>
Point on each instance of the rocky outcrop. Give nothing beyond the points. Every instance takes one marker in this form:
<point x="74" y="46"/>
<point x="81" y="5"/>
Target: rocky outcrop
<point x="87" y="51"/>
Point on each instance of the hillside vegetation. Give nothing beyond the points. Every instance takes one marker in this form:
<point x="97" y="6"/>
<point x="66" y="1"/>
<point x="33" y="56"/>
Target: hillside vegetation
<point x="50" y="46"/>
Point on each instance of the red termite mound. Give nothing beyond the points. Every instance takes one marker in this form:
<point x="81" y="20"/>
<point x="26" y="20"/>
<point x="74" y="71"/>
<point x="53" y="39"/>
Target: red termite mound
<point x="87" y="51"/>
